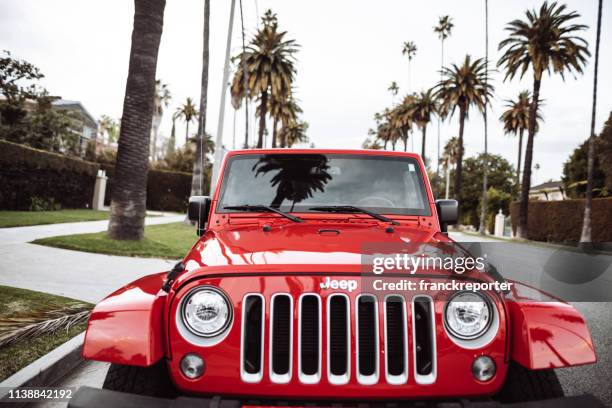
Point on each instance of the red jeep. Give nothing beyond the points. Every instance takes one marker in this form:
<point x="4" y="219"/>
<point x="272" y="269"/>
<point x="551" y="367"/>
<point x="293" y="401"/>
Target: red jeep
<point x="276" y="303"/>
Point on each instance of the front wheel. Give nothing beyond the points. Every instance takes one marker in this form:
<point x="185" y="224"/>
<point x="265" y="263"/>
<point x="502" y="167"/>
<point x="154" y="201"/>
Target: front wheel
<point x="152" y="381"/>
<point x="524" y="385"/>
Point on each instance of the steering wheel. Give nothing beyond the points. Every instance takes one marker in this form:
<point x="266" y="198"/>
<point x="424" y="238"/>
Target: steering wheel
<point x="375" y="201"/>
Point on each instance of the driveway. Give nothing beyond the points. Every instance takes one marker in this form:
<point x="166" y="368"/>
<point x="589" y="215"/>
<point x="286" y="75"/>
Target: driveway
<point x="79" y="275"/>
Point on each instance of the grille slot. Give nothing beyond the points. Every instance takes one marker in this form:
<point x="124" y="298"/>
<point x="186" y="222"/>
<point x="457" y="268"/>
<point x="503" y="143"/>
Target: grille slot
<point x="367" y="339"/>
<point x="424" y="340"/>
<point x="281" y="338"/>
<point x="252" y="338"/>
<point x="309" y="340"/>
<point x="396" y="334"/>
<point x="338" y="339"/>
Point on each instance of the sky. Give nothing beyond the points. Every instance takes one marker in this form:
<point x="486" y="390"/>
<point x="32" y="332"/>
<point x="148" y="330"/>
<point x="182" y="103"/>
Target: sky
<point x="350" y="51"/>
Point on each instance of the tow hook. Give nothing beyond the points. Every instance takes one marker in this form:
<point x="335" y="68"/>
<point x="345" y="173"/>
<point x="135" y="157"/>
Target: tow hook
<point x="172" y="275"/>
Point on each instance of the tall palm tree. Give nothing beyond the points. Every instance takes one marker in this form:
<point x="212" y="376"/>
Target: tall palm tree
<point x="585" y="235"/>
<point x="161" y="101"/>
<point x="295" y="132"/>
<point x="189" y="113"/>
<point x="444" y="30"/>
<point x="516" y="120"/>
<point x="460" y="88"/>
<point x="128" y="203"/>
<point x="545" y="41"/>
<point x="394" y="89"/>
<point x="270" y="67"/>
<point x="485" y="168"/>
<point x="197" y="179"/>
<point x="422" y="108"/>
<point x="450" y="155"/>
<point x="409" y="50"/>
<point x="284" y="111"/>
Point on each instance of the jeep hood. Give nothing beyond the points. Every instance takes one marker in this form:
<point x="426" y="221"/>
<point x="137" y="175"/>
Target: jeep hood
<point x="315" y="244"/>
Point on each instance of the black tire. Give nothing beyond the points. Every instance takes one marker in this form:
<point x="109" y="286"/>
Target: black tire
<point x="152" y="381"/>
<point x="529" y="385"/>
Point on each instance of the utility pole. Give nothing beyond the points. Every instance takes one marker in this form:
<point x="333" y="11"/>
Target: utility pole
<point x="226" y="71"/>
<point x="485" y="170"/>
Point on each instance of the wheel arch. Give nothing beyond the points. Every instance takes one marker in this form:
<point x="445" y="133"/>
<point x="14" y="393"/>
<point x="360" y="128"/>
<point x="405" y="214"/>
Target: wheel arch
<point x="127" y="326"/>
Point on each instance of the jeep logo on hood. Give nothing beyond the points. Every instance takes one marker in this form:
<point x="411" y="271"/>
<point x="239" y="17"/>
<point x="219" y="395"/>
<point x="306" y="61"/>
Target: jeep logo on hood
<point x="345" y="284"/>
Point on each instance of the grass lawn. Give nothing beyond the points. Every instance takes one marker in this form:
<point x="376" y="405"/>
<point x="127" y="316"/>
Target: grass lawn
<point x="160" y="241"/>
<point x="25" y="218"/>
<point x="18" y="304"/>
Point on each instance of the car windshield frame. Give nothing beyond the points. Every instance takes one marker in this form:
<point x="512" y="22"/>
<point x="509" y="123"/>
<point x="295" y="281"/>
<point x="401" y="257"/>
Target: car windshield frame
<point x="303" y="208"/>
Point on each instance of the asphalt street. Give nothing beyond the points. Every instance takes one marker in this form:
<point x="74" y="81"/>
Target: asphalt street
<point x="534" y="264"/>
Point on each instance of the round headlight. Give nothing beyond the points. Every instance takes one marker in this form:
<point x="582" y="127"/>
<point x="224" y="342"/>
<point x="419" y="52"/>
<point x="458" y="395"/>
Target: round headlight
<point x="206" y="312"/>
<point x="467" y="315"/>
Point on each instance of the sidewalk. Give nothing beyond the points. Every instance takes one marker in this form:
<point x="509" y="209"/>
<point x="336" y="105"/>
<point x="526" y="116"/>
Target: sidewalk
<point x="79" y="275"/>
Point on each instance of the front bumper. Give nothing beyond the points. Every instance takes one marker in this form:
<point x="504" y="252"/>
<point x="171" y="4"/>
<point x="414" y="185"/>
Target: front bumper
<point x="87" y="397"/>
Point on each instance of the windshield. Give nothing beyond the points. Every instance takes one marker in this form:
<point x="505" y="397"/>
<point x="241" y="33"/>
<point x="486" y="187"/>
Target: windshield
<point x="297" y="182"/>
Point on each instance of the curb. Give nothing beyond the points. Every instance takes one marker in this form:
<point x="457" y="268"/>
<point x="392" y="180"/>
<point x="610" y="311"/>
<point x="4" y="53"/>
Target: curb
<point x="47" y="369"/>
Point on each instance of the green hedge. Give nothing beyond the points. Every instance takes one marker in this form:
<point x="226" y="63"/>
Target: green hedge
<point x="27" y="173"/>
<point x="166" y="190"/>
<point x="561" y="221"/>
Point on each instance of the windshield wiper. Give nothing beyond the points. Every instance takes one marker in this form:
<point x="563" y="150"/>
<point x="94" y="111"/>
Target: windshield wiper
<point x="262" y="208"/>
<point x="353" y="209"/>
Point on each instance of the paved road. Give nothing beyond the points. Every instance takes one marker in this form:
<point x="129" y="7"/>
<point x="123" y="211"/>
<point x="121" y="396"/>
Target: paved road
<point x="79" y="275"/>
<point x="524" y="262"/>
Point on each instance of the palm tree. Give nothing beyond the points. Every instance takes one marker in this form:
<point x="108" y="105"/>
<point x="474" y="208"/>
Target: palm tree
<point x="172" y="140"/>
<point x="270" y="64"/>
<point x="545" y="40"/>
<point x="128" y="203"/>
<point x="444" y="30"/>
<point x="422" y="108"/>
<point x="409" y="49"/>
<point x="462" y="87"/>
<point x="285" y="111"/>
<point x="516" y="120"/>
<point x="585" y="235"/>
<point x="197" y="180"/>
<point x="161" y="101"/>
<point x="401" y="119"/>
<point x="394" y="89"/>
<point x="450" y="155"/>
<point x="295" y="132"/>
<point x="188" y="113"/>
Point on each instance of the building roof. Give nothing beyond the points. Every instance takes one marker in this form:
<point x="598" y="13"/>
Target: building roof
<point x="547" y="186"/>
<point x="68" y="104"/>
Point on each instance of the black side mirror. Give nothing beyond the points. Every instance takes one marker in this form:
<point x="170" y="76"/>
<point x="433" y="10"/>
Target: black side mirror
<point x="448" y="213"/>
<point x="198" y="210"/>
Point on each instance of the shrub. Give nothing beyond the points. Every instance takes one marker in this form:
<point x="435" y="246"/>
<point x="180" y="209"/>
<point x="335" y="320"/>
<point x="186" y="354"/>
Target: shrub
<point x="561" y="221"/>
<point x="27" y="173"/>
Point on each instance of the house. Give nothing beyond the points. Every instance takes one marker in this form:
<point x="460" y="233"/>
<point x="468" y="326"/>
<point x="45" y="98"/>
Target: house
<point x="549" y="191"/>
<point x="85" y="125"/>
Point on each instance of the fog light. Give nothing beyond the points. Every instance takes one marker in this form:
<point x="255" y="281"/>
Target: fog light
<point x="192" y="366"/>
<point x="483" y="368"/>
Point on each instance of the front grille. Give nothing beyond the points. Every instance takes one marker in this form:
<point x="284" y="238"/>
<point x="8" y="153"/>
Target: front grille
<point x="337" y="350"/>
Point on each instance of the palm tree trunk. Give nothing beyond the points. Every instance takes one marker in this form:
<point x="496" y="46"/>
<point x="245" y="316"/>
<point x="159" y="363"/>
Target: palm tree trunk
<point x="274" y="132"/>
<point x="197" y="181"/>
<point x="186" y="132"/>
<point x="385" y="145"/>
<point x="520" y="152"/>
<point x="522" y="229"/>
<point x="262" y="118"/>
<point x="447" y="187"/>
<point x="459" y="166"/>
<point x="128" y="204"/>
<point x="585" y="236"/>
<point x="424" y="130"/>
<point x="405" y="140"/>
